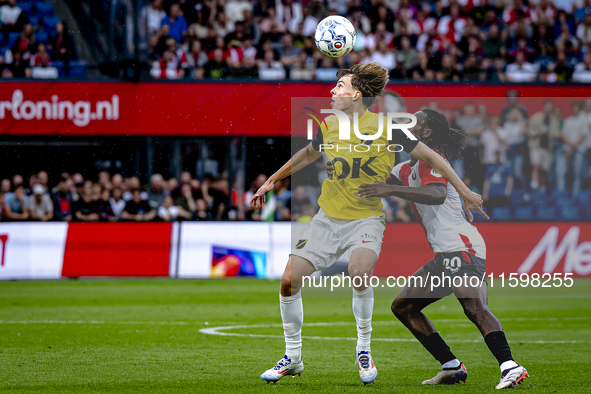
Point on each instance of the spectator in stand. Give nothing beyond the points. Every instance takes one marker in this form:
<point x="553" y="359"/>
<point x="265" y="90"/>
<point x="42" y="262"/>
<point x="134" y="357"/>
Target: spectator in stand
<point x="85" y="209"/>
<point x="117" y="202"/>
<point x="473" y="126"/>
<point x="176" y="23"/>
<point x="61" y="46"/>
<point x="154" y="14"/>
<point x="63" y="199"/>
<point x="288" y="53"/>
<point x="512" y="102"/>
<point x="304" y="68"/>
<point x="104" y="208"/>
<point x="10" y="16"/>
<point x="5" y="186"/>
<point x="16" y="204"/>
<point x="157" y="192"/>
<point x="298" y="201"/>
<point x="516" y="130"/>
<point x="575" y="132"/>
<point x="138" y="209"/>
<point x="43" y="178"/>
<point x="186" y="201"/>
<point x="544" y="128"/>
<point x="234" y="10"/>
<point x="492" y="140"/>
<point x="133" y="183"/>
<point x="41" y="64"/>
<point x="40" y="206"/>
<point x="583" y="70"/>
<point x="327" y="70"/>
<point x="217" y="67"/>
<point x="169" y="212"/>
<point x="521" y="70"/>
<point x="383" y="56"/>
<point x="498" y="184"/>
<point x="270" y="69"/>
<point x="196" y="59"/>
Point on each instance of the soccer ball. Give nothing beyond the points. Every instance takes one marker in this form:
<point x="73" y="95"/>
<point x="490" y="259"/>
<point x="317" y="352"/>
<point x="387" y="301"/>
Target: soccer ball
<point x="335" y="36"/>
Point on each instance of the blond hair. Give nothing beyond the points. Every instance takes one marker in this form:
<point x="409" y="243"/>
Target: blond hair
<point x="369" y="78"/>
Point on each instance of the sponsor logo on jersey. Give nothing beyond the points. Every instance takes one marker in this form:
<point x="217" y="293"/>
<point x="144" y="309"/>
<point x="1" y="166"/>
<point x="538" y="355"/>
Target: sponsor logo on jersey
<point x="435" y="173"/>
<point x="365" y="238"/>
<point x="301" y="243"/>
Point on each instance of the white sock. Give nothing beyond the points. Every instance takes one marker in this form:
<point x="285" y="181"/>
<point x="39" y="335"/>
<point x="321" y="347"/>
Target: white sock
<point x="292" y="314"/>
<point x="363" y="310"/>
<point x="451" y="364"/>
<point x="508" y="364"/>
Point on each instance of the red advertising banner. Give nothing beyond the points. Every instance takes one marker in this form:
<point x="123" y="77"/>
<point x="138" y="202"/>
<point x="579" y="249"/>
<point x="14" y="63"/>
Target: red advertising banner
<point x="117" y="249"/>
<point x="510" y="248"/>
<point x="205" y="108"/>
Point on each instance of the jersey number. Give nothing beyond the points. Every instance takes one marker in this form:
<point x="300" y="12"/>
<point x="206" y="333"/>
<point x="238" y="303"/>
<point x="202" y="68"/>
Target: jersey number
<point x="357" y="166"/>
<point x="454" y="264"/>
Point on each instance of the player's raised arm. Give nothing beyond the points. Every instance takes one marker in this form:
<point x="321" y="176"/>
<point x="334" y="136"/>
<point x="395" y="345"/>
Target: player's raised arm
<point x="300" y="160"/>
<point x="472" y="201"/>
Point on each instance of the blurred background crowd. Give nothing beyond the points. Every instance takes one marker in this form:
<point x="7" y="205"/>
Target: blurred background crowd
<point x="528" y="164"/>
<point x="443" y="40"/>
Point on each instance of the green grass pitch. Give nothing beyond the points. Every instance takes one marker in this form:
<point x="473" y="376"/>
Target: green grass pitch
<point x="146" y="335"/>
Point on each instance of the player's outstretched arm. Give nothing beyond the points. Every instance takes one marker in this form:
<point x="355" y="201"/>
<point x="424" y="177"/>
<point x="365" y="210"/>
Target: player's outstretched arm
<point x="300" y="160"/>
<point x="430" y="194"/>
<point x="472" y="201"/>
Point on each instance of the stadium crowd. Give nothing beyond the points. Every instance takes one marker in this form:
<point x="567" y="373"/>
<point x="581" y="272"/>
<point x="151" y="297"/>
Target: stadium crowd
<point x="527" y="166"/>
<point x="34" y="43"/>
<point x="443" y="40"/>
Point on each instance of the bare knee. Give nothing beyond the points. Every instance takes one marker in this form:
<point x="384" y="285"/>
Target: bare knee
<point x="289" y="287"/>
<point x="401" y="308"/>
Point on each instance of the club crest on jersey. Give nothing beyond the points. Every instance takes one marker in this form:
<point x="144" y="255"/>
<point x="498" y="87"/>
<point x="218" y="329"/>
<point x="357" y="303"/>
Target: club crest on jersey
<point x="301" y="243"/>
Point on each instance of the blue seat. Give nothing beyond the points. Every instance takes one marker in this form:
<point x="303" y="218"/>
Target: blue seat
<point x="60" y="67"/>
<point x="2" y="37"/>
<point x="42" y="37"/>
<point x="548" y="212"/>
<point x="558" y="195"/>
<point x="583" y="200"/>
<point x="570" y="213"/>
<point x="12" y="38"/>
<point x="34" y="20"/>
<point x="45" y="9"/>
<point x="79" y="69"/>
<point x="26" y="7"/>
<point x="538" y="199"/>
<point x="501" y="214"/>
<point x="525" y="212"/>
<point x="49" y="23"/>
<point x="519" y="198"/>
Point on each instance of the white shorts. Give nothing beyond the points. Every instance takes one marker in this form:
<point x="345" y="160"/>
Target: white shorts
<point x="542" y="157"/>
<point x="328" y="238"/>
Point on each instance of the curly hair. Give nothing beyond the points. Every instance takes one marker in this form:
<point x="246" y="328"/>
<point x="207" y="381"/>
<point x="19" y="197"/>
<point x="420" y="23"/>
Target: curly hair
<point x="369" y="78"/>
<point x="450" y="142"/>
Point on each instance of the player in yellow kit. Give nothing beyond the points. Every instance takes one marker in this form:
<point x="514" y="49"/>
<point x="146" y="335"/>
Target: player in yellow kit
<point x="347" y="222"/>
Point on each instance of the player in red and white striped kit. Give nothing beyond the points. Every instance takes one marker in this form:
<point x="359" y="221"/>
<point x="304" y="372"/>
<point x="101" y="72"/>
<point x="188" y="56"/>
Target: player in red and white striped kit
<point x="460" y="251"/>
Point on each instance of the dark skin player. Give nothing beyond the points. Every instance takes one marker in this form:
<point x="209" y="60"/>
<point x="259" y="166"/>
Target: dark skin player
<point x="410" y="302"/>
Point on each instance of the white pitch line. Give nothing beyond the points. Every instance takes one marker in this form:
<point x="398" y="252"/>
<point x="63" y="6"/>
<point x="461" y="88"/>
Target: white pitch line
<point x="218" y="331"/>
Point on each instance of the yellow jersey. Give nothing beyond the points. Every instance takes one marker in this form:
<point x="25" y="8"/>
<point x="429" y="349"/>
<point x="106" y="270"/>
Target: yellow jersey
<point x="357" y="162"/>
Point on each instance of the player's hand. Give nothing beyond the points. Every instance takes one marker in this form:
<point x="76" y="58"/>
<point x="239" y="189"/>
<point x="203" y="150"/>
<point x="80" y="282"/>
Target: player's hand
<point x="329" y="170"/>
<point x="473" y="201"/>
<point x="378" y="189"/>
<point x="258" y="200"/>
